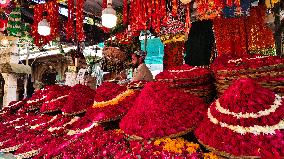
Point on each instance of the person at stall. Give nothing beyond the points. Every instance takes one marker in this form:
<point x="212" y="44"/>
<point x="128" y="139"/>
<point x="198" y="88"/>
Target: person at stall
<point x="141" y="72"/>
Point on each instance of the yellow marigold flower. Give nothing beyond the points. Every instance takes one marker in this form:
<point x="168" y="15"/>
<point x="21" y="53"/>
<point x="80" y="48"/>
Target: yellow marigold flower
<point x="115" y="100"/>
<point x="210" y="155"/>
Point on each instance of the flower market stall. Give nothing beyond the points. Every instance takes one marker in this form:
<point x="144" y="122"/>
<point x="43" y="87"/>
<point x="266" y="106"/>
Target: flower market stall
<point x="218" y="96"/>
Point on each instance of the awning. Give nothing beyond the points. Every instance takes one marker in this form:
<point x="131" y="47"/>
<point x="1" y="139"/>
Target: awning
<point x="15" y="68"/>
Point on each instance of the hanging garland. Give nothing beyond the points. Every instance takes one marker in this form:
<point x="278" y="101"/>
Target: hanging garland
<point x="187" y="20"/>
<point x="52" y="17"/>
<point x="79" y="21"/>
<point x="230" y="35"/>
<point x="260" y="37"/>
<point x="14" y="23"/>
<point x="147" y="14"/>
<point x="69" y="25"/>
<point x="173" y="55"/>
<point x="125" y="11"/>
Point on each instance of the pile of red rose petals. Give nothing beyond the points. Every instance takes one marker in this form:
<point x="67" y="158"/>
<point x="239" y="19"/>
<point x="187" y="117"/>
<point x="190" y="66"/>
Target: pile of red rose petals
<point x="194" y="80"/>
<point x="160" y="111"/>
<point x="80" y="98"/>
<point x="245" y="121"/>
<point x="108" y="91"/>
<point x="55" y="99"/>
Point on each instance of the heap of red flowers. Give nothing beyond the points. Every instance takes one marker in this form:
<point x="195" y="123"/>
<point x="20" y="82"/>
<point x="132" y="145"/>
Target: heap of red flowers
<point x="266" y="70"/>
<point x="193" y="80"/>
<point x="55" y="98"/>
<point x="247" y="120"/>
<point x="115" y="107"/>
<point x="38" y="98"/>
<point x="108" y="91"/>
<point x="80" y="98"/>
<point x="160" y="111"/>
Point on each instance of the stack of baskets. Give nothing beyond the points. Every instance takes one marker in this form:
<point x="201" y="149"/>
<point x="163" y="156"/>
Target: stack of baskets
<point x="193" y="80"/>
<point x="266" y="70"/>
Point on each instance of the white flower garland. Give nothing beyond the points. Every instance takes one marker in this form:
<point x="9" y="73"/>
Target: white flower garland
<point x="4" y="112"/>
<point x="14" y="104"/>
<point x="73" y="120"/>
<point x="12" y="121"/>
<point x="38" y="125"/>
<point x="28" y="154"/>
<point x="10" y="149"/>
<point x="241" y="59"/>
<point x="56" y="99"/>
<point x="276" y="104"/>
<point x="74" y="132"/>
<point x="256" y="129"/>
<point x="178" y="71"/>
<point x="36" y="100"/>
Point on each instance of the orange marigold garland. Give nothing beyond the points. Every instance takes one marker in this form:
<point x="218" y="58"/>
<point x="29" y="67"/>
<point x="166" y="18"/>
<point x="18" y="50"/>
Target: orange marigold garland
<point x="52" y="17"/>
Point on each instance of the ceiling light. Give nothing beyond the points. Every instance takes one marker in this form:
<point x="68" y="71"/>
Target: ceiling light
<point x="44" y="27"/>
<point x="109" y="17"/>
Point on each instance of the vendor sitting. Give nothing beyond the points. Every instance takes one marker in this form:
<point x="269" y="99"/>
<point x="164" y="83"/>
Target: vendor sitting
<point x="141" y="71"/>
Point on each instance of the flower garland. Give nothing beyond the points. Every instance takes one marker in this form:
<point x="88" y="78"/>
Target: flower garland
<point x="75" y="119"/>
<point x="125" y="12"/>
<point x="70" y="22"/>
<point x="79" y="20"/>
<point x="260" y="37"/>
<point x="44" y="123"/>
<point x="256" y="129"/>
<point x="173" y="55"/>
<point x="148" y="14"/>
<point x="230" y="36"/>
<point x="52" y="17"/>
<point x="274" y="106"/>
<point x="115" y="100"/>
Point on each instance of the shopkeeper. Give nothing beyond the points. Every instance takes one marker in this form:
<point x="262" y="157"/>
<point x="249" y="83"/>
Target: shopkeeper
<point x="141" y="72"/>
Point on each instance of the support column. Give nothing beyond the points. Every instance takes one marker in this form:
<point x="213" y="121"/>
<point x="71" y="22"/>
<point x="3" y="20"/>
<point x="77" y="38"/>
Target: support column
<point x="10" y="88"/>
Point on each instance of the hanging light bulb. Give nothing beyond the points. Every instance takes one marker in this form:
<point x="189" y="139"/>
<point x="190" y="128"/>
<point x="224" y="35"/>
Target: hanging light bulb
<point x="109" y="17"/>
<point x="4" y="41"/>
<point x="44" y="27"/>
